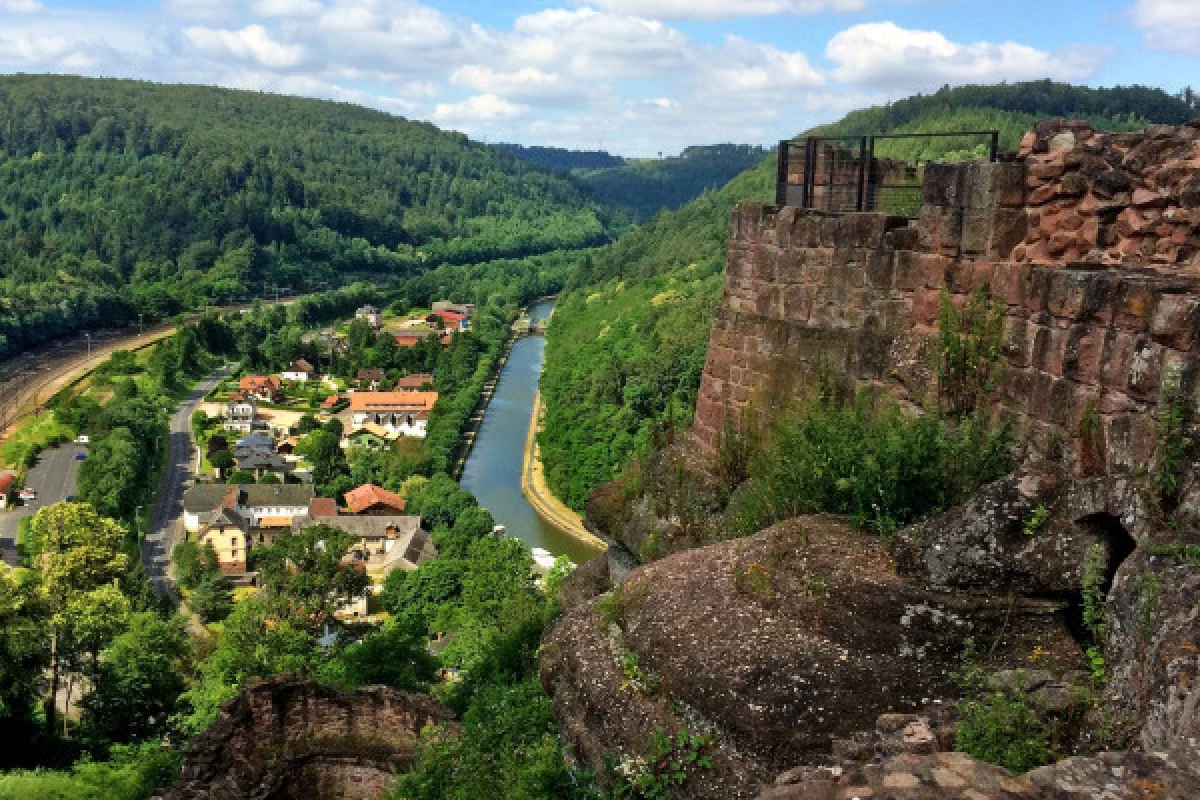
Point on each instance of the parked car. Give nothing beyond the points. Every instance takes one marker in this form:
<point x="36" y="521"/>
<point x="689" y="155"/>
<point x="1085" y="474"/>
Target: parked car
<point x="27" y="494"/>
<point x="80" y="456"/>
<point x="83" y="438"/>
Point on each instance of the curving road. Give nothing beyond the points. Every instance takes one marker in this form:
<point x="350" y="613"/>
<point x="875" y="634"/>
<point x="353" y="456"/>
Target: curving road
<point x="166" y="525"/>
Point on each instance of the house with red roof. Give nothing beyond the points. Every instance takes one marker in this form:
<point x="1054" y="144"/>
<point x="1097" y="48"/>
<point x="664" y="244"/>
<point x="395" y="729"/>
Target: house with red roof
<point x="264" y="387"/>
<point x="372" y="500"/>
<point x="450" y="319"/>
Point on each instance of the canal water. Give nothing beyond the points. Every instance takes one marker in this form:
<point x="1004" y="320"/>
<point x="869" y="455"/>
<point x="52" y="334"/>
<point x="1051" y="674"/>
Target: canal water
<point x="493" y="469"/>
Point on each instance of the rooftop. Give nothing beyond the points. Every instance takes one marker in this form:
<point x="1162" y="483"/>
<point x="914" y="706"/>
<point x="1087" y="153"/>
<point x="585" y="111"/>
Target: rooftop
<point x="392" y="401"/>
<point x="369" y="495"/>
<point x="208" y="496"/>
<point x="414" y="381"/>
<point x="322" y="507"/>
<point x="253" y="383"/>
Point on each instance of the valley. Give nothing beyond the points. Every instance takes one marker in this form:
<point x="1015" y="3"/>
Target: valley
<point x="794" y="490"/>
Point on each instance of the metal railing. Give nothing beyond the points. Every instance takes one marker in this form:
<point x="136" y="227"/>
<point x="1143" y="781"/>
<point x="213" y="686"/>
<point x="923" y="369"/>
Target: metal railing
<point x="843" y="174"/>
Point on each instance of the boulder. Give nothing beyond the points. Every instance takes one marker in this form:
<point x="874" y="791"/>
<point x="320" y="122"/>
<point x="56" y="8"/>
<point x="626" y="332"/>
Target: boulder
<point x="780" y="643"/>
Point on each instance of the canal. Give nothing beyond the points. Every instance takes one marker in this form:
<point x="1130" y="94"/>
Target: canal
<point x="493" y="469"/>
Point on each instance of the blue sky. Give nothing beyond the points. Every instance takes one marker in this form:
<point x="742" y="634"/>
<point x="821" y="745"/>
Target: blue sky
<point x="633" y="76"/>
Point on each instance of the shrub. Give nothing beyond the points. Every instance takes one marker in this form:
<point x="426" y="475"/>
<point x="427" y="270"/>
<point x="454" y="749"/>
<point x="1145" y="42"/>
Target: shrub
<point x="869" y="460"/>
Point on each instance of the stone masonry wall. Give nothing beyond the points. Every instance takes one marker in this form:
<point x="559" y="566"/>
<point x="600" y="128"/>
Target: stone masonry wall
<point x="855" y="298"/>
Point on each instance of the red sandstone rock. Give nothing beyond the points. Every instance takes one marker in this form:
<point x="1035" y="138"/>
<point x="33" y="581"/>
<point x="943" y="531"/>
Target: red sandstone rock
<point x="1148" y="198"/>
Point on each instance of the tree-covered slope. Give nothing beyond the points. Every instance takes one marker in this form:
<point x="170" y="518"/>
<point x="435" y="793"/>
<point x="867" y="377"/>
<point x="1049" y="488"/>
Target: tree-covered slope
<point x="560" y="159"/>
<point x="122" y="195"/>
<point x="644" y="187"/>
<point x="626" y="347"/>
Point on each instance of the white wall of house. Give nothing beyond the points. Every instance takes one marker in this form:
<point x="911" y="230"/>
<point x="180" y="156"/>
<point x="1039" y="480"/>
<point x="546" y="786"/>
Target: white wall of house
<point x="404" y="424"/>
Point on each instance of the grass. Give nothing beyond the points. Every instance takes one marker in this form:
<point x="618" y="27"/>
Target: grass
<point x="33" y="436"/>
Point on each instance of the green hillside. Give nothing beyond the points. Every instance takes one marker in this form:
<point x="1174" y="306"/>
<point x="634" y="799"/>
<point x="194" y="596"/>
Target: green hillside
<point x="644" y="187"/>
<point x="627" y="345"/>
<point x="121" y="196"/>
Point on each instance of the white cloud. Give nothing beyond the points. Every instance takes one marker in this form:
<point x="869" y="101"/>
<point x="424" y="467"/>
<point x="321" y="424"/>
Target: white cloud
<point x="573" y="75"/>
<point x="717" y="9"/>
<point x="1172" y="25"/>
<point x="598" y="45"/>
<point x="21" y="6"/>
<point x="885" y="55"/>
<point x="480" y="108"/>
<point x="749" y="67"/>
<point x="252" y="43"/>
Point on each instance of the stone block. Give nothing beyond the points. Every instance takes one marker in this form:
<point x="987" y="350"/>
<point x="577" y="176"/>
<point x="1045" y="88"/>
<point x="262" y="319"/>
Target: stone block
<point x="1118" y="358"/>
<point x="976" y="231"/>
<point x="1175" y="321"/>
<point x="1009" y="282"/>
<point x="908" y="270"/>
<point x="943" y="184"/>
<point x="1135" y="306"/>
<point x="934" y="268"/>
<point x="879" y="268"/>
<point x="1085" y="353"/>
<point x="1145" y="369"/>
<point x="1008" y="229"/>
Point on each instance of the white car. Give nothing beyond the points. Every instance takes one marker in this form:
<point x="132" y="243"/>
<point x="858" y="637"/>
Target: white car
<point x="28" y="494"/>
<point x="83" y="438"/>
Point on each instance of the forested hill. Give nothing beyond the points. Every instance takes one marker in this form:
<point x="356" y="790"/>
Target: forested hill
<point x="562" y="160"/>
<point x="627" y="344"/>
<point x="643" y="187"/>
<point x="122" y="196"/>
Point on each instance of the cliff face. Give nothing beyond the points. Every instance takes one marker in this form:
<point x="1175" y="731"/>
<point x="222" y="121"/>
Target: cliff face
<point x="1091" y="245"/>
<point x="287" y="738"/>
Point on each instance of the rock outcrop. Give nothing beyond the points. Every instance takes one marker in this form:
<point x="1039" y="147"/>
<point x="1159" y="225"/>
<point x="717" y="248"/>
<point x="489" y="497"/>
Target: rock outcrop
<point x="789" y="645"/>
<point x="956" y="776"/>
<point x="296" y="739"/>
<point x="780" y="643"/>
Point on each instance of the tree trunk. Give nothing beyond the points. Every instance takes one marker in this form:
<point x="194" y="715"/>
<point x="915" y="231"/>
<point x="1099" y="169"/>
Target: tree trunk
<point x="51" y="707"/>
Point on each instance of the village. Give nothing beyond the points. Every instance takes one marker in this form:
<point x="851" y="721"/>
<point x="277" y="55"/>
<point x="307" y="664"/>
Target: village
<point x="255" y="464"/>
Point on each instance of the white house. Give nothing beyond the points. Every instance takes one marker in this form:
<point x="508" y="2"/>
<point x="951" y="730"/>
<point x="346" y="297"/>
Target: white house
<point x="260" y="505"/>
<point x="300" y="370"/>
<point x="241" y="412"/>
<point x="405" y="413"/>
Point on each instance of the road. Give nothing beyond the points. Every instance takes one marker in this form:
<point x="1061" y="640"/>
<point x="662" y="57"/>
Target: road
<point x="53" y="478"/>
<point x="166" y="517"/>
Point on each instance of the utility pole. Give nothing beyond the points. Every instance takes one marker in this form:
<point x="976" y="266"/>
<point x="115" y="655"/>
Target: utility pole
<point x="89" y="343"/>
<point x="140" y="315"/>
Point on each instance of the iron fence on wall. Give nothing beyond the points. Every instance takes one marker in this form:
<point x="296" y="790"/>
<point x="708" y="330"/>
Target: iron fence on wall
<point x="842" y="174"/>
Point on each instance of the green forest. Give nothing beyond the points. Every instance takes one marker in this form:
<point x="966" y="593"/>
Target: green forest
<point x="626" y="347"/>
<point x="120" y="197"/>
<point x="644" y="187"/>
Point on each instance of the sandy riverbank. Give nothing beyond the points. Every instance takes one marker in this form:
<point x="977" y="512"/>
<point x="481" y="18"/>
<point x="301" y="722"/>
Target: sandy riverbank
<point x="533" y="485"/>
